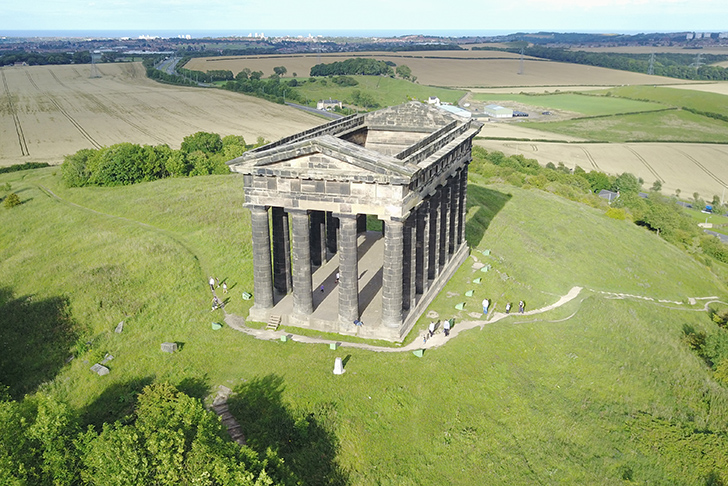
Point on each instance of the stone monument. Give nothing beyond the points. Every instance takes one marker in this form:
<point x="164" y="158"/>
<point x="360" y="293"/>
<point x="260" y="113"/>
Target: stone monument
<point x="312" y="195"/>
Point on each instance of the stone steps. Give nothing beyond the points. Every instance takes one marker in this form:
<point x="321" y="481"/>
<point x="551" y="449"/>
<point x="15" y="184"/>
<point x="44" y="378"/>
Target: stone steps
<point x="273" y="322"/>
<point x="220" y="407"/>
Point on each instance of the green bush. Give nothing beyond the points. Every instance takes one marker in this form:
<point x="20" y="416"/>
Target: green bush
<point x="11" y="201"/>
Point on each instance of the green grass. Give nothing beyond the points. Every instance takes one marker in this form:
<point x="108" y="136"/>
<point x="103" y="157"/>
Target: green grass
<point x="384" y="90"/>
<point x="696" y="100"/>
<point x="664" y="126"/>
<point x="583" y="104"/>
<point x="542" y="400"/>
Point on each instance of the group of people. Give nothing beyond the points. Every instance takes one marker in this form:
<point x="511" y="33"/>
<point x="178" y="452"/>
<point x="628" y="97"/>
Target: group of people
<point x="214" y="284"/>
<point x="521" y="307"/>
<point x="431" y="330"/>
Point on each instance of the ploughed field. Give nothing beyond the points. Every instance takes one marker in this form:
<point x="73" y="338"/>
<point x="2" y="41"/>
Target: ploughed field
<point x="47" y="112"/>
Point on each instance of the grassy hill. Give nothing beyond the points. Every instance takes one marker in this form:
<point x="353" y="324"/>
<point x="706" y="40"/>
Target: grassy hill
<point x="599" y="391"/>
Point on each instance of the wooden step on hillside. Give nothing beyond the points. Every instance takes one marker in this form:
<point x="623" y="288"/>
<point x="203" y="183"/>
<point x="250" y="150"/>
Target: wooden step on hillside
<point x="273" y="322"/>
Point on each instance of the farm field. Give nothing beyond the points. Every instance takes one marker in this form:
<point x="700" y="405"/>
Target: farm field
<point x="578" y="395"/>
<point x="574" y="103"/>
<point x="47" y="112"/>
<point x="701" y="168"/>
<point x="456" y="69"/>
<point x="704" y="101"/>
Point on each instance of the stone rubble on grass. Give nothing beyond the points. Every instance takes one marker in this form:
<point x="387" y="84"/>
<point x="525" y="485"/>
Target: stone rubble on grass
<point x="106" y="359"/>
<point x="119" y="327"/>
<point x="169" y="347"/>
<point x="100" y="370"/>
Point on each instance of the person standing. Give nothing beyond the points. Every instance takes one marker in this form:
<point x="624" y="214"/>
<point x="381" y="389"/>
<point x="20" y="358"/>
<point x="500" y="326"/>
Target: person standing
<point x="212" y="283"/>
<point x="446" y="328"/>
<point x="224" y="288"/>
<point x="432" y="329"/>
<point x="486" y="303"/>
<point x="508" y="308"/>
<point x="521" y="306"/>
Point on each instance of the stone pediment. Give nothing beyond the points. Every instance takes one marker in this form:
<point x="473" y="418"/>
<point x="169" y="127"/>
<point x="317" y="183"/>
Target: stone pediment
<point x="325" y="157"/>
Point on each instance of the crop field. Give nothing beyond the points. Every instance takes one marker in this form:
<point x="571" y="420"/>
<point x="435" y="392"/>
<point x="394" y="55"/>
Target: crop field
<point x="574" y="103"/>
<point x="47" y="112"/>
<point x="701" y="168"/>
<point x="462" y="69"/>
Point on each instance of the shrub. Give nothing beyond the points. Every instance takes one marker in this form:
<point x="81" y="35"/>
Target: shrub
<point x="11" y="201"/>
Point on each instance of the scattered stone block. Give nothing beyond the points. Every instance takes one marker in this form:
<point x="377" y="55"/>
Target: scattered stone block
<point x="469" y="293"/>
<point x="460" y="306"/>
<point x="247" y="296"/>
<point x="486" y="252"/>
<point x="169" y="347"/>
<point x="477" y="280"/>
<point x="286" y="337"/>
<point x="106" y="359"/>
<point x="216" y="326"/>
<point x="418" y="352"/>
<point x="334" y="346"/>
<point x="485" y="268"/>
<point x="100" y="370"/>
<point x="339" y="367"/>
<point x="119" y="327"/>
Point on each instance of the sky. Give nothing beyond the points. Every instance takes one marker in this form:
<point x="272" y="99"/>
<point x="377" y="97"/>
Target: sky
<point x="403" y="16"/>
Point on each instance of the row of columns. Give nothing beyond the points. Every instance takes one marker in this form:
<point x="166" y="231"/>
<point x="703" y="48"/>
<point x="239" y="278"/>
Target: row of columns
<point x="416" y="249"/>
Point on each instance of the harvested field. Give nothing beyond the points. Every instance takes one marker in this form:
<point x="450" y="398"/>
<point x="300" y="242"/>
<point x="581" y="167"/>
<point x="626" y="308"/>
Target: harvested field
<point x="718" y="88"/>
<point x="719" y="50"/>
<point x="464" y="69"/>
<point x="701" y="168"/>
<point x="47" y="112"/>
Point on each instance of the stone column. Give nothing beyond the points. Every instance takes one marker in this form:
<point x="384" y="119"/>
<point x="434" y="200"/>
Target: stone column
<point x="422" y="239"/>
<point x="454" y="184"/>
<point x="331" y="225"/>
<point x="281" y="250"/>
<point x="444" y="225"/>
<point x="463" y="202"/>
<point x="434" y="236"/>
<point x="262" y="270"/>
<point x="301" y="263"/>
<point x="316" y="219"/>
<point x="348" y="269"/>
<point x="392" y="276"/>
<point x="407" y="260"/>
<point x="361" y="223"/>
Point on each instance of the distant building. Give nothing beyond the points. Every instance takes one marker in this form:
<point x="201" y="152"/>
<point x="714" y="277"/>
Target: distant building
<point x="497" y="111"/>
<point x="433" y="100"/>
<point x="328" y="105"/>
<point x="456" y="111"/>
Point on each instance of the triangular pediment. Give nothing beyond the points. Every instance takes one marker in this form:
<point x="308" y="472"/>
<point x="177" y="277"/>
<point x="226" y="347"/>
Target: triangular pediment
<point x="325" y="157"/>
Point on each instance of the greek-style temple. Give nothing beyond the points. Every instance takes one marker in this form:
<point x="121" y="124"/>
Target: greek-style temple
<point x="359" y="223"/>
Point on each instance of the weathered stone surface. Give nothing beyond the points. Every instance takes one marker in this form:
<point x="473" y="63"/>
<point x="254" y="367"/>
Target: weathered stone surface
<point x="100" y="369"/>
<point x="119" y="327"/>
<point x="169" y="347"/>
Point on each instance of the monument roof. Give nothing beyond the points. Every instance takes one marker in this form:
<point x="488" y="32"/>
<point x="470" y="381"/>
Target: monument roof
<point x="390" y="145"/>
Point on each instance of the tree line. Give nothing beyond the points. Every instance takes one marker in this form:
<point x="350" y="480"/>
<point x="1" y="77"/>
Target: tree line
<point x="125" y="163"/>
<point x="354" y="66"/>
<point x="169" y="439"/>
<point x="42" y="59"/>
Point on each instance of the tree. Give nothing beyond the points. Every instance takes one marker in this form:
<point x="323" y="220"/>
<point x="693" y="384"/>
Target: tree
<point x="209" y="143"/>
<point x="280" y="70"/>
<point x="404" y="72"/>
<point x="656" y="186"/>
<point x="74" y="171"/>
<point x="244" y="74"/>
<point x="256" y="75"/>
<point x="11" y="201"/>
<point x="627" y="182"/>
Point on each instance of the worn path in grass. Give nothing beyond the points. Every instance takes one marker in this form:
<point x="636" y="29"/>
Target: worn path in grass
<point x="439" y="339"/>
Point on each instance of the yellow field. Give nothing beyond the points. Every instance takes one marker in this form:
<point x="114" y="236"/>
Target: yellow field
<point x="459" y="69"/>
<point x="690" y="167"/>
<point x="47" y="112"/>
